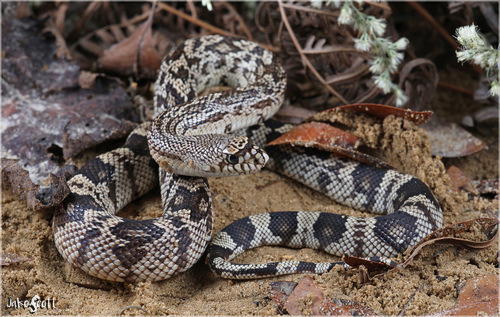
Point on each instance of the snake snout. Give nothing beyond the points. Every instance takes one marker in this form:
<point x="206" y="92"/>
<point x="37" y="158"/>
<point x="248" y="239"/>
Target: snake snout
<point x="242" y="156"/>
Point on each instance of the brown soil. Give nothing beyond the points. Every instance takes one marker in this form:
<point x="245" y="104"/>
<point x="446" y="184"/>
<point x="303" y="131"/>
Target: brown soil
<point x="433" y="278"/>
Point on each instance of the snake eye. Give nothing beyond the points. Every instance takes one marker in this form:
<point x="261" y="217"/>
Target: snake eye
<point x="232" y="159"/>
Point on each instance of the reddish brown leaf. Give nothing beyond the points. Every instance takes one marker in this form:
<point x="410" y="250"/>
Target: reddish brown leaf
<point x="317" y="134"/>
<point x="327" y="138"/>
<point x="448" y="139"/>
<point x="382" y="111"/>
<point x="305" y="296"/>
<point x="308" y="299"/>
<point x="134" y="55"/>
<point x="479" y="297"/>
<point x="460" y="181"/>
<point x="279" y="291"/>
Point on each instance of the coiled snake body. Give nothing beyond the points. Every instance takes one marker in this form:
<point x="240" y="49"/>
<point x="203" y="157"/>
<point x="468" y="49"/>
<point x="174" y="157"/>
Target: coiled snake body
<point x="89" y="235"/>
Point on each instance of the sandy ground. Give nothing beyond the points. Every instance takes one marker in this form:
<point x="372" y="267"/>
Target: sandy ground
<point x="432" y="278"/>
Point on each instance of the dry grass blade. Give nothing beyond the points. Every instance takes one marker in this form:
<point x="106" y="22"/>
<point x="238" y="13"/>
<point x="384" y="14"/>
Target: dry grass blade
<point x="357" y="70"/>
<point x="91" y="8"/>
<point x="445" y="236"/>
<point x="233" y="14"/>
<point x="420" y="78"/>
<point x="61" y="16"/>
<point x="131" y="307"/>
<point x="304" y="57"/>
<point x="311" y="10"/>
<point x="312" y="46"/>
<point x="195" y="21"/>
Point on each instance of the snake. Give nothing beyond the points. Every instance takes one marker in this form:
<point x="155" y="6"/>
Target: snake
<point x="194" y="136"/>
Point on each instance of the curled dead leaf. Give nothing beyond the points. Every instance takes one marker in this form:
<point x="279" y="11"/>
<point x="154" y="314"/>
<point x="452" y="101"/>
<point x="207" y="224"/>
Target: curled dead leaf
<point x="19" y="182"/>
<point x="135" y="55"/>
<point x="419" y="78"/>
<point x="487" y="186"/>
<point x="327" y="138"/>
<point x="293" y="114"/>
<point x="317" y="134"/>
<point x="446" y="235"/>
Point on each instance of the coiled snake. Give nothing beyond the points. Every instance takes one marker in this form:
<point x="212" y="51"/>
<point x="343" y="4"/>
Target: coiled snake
<point x="89" y="235"/>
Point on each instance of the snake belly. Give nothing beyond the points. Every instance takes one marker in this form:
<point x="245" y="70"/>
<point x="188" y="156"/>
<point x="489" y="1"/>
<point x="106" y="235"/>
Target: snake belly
<point x="87" y="232"/>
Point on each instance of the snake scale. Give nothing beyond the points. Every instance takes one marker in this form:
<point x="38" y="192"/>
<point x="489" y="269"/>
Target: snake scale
<point x="226" y="131"/>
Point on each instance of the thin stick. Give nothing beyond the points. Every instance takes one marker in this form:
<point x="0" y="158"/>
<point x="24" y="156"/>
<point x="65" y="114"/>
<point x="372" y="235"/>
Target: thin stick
<point x="304" y="57"/>
<point x="409" y="301"/>
<point x="208" y="26"/>
<point x="464" y="91"/>
<point x="312" y="10"/>
<point x="197" y="22"/>
<point x="239" y="19"/>
<point x="426" y="15"/>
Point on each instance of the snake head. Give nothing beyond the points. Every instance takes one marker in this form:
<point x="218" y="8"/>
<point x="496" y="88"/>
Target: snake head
<point x="240" y="156"/>
<point x="205" y="155"/>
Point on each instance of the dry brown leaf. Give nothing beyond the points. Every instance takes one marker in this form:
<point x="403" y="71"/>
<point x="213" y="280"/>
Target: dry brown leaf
<point x="446" y="234"/>
<point x="308" y="299"/>
<point x="47" y="117"/>
<point x="279" y="291"/>
<point x="293" y="114"/>
<point x="479" y="297"/>
<point x="460" y="181"/>
<point x="317" y="134"/>
<point x="327" y="138"/>
<point x="19" y="182"/>
<point x="135" y="55"/>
